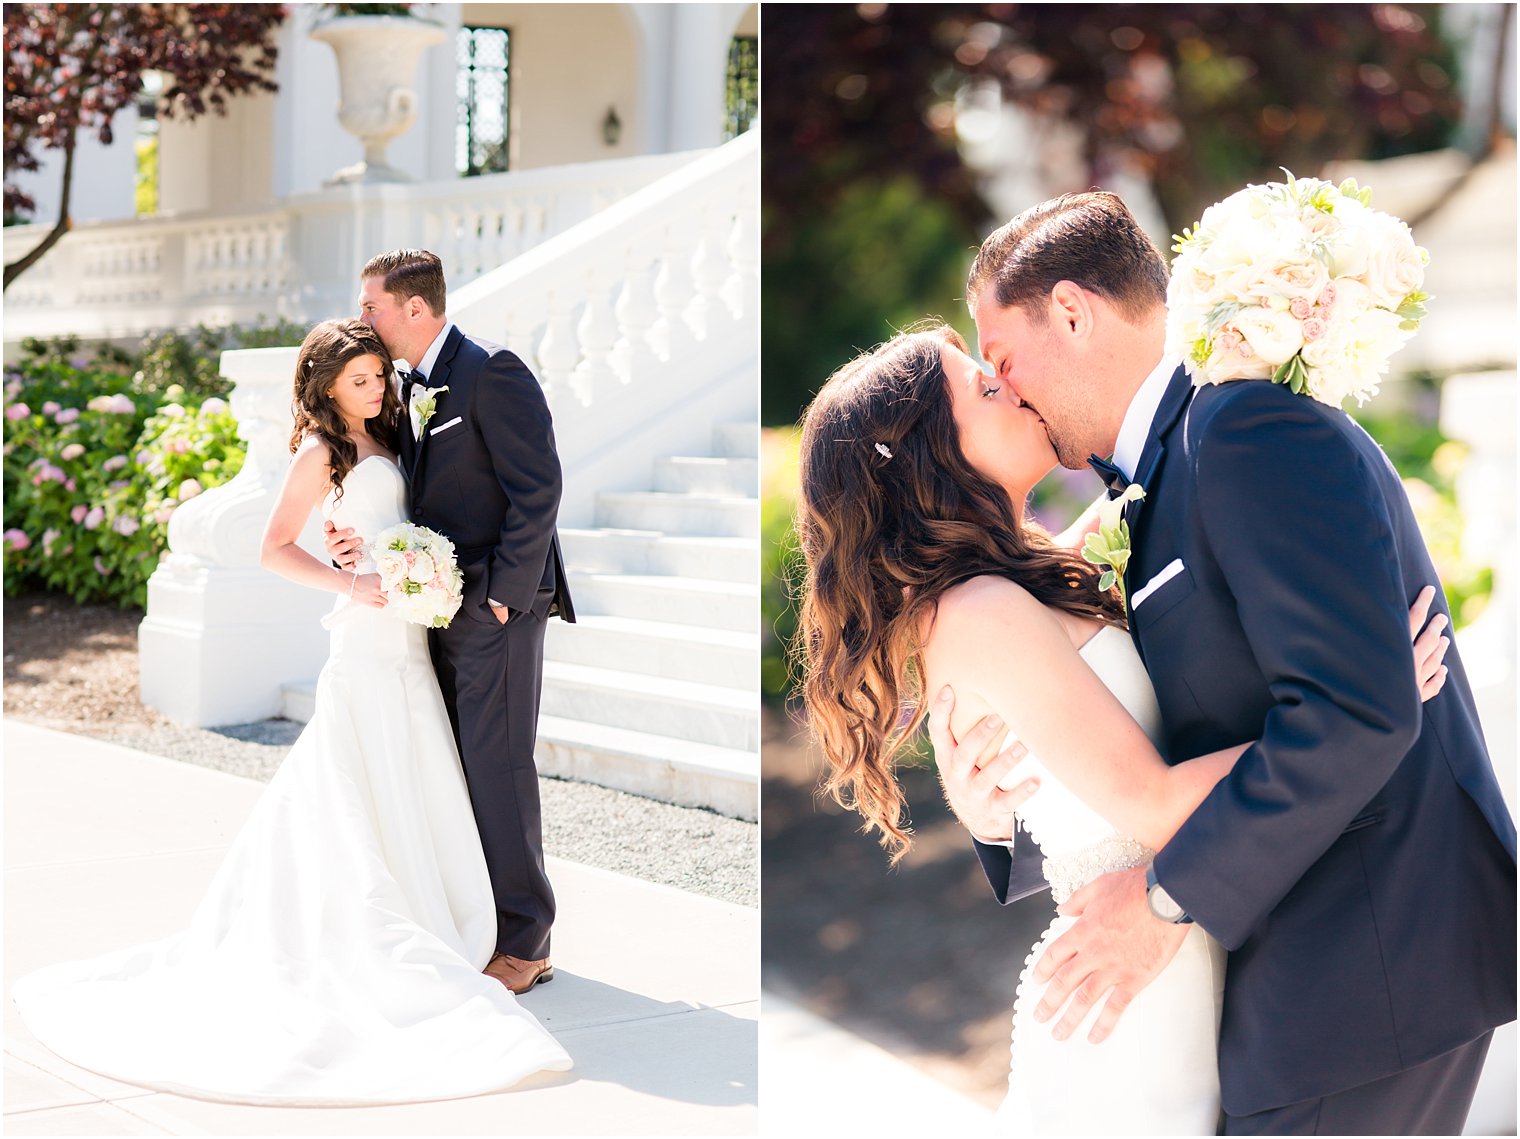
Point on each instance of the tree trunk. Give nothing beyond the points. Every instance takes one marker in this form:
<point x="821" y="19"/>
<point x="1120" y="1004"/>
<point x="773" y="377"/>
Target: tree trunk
<point x="65" y="223"/>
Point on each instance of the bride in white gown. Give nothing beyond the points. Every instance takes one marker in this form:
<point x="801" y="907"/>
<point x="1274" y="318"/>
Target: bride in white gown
<point x="336" y="957"/>
<point x="922" y="575"/>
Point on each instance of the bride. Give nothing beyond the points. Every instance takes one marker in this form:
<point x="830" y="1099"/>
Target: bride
<point x="336" y="957"/>
<point x="921" y="574"/>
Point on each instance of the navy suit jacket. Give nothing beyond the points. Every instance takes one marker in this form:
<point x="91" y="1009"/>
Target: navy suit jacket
<point x="1359" y="862"/>
<point x="491" y="481"/>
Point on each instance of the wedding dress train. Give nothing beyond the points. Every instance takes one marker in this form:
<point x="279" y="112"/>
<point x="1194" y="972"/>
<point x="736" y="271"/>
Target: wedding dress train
<point x="1157" y="1073"/>
<point x="336" y="957"/>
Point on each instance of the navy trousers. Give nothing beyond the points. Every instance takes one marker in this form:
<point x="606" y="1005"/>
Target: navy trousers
<point x="1432" y="1098"/>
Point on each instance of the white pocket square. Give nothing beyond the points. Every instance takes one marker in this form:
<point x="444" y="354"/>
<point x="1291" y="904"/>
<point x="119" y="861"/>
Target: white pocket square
<point x="446" y="426"/>
<point x="1173" y="568"/>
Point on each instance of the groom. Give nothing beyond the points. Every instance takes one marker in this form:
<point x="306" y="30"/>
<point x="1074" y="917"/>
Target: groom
<point x="482" y="470"/>
<point x="1359" y="862"/>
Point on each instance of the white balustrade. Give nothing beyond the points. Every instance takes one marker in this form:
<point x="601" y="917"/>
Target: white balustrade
<point x="126" y="278"/>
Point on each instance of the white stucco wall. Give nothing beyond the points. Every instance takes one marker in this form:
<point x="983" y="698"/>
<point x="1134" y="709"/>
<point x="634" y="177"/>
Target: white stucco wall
<point x="219" y="162"/>
<point x="105" y="177"/>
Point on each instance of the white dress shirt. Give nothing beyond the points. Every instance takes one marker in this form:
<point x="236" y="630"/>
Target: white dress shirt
<point x="1136" y="427"/>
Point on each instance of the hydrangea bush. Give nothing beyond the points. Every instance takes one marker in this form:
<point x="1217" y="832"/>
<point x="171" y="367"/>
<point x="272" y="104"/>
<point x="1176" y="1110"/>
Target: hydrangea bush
<point x="97" y="458"/>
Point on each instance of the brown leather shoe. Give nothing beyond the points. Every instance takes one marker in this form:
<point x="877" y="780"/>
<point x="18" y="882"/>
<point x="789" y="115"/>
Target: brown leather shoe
<point x="517" y="974"/>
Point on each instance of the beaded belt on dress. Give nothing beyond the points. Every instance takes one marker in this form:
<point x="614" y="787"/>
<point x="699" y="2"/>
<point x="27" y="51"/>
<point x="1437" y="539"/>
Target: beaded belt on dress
<point x="1071" y="872"/>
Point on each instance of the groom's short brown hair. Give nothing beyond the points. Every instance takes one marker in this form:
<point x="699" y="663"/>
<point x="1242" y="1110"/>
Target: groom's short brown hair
<point x="410" y="273"/>
<point x="1090" y="239"/>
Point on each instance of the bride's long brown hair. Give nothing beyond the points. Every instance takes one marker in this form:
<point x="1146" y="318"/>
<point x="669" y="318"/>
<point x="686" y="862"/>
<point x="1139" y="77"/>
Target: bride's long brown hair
<point x="324" y="354"/>
<point x="890" y="517"/>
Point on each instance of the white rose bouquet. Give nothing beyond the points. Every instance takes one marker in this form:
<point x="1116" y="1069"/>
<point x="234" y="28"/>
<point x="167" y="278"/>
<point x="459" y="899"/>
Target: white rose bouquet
<point x="1301" y="282"/>
<point x="419" y="573"/>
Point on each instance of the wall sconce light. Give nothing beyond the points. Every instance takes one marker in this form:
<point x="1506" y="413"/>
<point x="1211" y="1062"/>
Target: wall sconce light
<point x="612" y="127"/>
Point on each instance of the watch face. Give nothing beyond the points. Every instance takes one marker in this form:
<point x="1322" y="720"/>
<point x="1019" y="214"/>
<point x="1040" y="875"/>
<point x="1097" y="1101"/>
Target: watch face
<point x="1162" y="904"/>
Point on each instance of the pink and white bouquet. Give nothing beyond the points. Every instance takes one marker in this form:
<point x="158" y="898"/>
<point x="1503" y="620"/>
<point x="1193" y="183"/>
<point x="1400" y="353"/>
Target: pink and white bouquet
<point x="419" y="573"/>
<point x="1301" y="282"/>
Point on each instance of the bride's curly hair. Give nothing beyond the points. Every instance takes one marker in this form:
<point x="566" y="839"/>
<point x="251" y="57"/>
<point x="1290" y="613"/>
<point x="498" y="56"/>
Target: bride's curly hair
<point x="325" y="352"/>
<point x="891" y="516"/>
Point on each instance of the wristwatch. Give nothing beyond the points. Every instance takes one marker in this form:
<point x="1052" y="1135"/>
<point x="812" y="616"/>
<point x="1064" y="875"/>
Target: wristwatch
<point x="1162" y="903"/>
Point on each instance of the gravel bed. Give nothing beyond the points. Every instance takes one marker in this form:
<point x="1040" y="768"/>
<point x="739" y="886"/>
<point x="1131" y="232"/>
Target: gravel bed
<point x="74" y="668"/>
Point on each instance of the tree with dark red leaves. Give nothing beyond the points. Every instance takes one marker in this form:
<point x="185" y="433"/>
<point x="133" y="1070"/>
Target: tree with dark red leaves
<point x="69" y="68"/>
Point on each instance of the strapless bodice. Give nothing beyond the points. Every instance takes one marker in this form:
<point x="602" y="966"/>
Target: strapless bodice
<point x="374" y="497"/>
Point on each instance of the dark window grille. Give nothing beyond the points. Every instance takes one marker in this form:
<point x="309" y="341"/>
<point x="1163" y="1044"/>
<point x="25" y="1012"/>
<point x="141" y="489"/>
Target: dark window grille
<point x="743" y="95"/>
<point x="480" y="139"/>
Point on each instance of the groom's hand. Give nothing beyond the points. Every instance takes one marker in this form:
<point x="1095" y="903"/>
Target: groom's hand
<point x="343" y="546"/>
<point x="1117" y="947"/>
<point x="971" y="770"/>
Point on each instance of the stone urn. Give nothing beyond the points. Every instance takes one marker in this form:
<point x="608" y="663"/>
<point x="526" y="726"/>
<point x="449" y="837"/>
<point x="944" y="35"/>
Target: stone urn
<point x="377" y="71"/>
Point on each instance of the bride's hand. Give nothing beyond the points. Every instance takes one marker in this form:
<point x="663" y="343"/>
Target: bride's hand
<point x="368" y="591"/>
<point x="972" y="771"/>
<point x="1429" y="646"/>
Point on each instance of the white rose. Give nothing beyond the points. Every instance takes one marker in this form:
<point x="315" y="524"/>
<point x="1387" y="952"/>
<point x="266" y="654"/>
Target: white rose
<point x="1393" y="269"/>
<point x="422" y="568"/>
<point x="391" y="566"/>
<point x="1272" y="335"/>
<point x="1303" y="276"/>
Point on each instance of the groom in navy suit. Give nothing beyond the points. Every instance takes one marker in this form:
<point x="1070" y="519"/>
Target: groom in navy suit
<point x="482" y="470"/>
<point x="1359" y="861"/>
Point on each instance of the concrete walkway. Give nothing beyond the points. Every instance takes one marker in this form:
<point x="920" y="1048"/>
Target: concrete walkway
<point x="655" y="997"/>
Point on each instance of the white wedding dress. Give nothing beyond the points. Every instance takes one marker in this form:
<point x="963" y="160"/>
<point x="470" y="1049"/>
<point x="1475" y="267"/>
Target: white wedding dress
<point x="1157" y="1074"/>
<point x="336" y="957"/>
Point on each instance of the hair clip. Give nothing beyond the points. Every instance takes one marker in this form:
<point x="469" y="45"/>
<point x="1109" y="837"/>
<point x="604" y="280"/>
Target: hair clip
<point x="883" y="450"/>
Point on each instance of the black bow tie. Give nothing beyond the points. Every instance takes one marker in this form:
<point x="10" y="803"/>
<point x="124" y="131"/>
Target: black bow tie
<point x="408" y="382"/>
<point x="1113" y="478"/>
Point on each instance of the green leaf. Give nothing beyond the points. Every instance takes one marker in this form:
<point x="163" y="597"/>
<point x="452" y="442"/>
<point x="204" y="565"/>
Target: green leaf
<point x="1106" y="582"/>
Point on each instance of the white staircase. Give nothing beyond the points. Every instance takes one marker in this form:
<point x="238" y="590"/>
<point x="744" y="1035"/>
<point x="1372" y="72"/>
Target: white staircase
<point x="654" y="689"/>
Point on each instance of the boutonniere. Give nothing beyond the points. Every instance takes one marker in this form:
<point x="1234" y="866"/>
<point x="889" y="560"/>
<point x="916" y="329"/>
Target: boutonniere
<point x="1108" y="545"/>
<point x="424" y="404"/>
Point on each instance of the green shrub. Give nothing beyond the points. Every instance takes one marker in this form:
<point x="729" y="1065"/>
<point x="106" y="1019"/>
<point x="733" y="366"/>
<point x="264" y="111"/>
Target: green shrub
<point x="102" y="446"/>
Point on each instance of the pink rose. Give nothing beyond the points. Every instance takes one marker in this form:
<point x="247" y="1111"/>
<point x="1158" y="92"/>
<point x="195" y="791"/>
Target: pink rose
<point x="1300" y="307"/>
<point x="1314" y="328"/>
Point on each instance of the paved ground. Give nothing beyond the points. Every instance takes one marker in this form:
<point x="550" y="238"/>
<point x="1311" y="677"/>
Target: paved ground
<point x="655" y="997"/>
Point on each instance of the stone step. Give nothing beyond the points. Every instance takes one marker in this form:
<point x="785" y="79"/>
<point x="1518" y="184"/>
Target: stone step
<point x="651" y="552"/>
<point x="658" y="648"/>
<point x="676" y="600"/>
<point x="658" y="767"/>
<point x="691" y="514"/>
<point x="682" y="709"/>
<point x="737" y="440"/>
<point x="699" y="475"/>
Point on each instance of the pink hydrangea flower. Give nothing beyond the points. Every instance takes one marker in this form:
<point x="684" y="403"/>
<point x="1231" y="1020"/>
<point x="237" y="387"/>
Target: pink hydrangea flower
<point x="17" y="539"/>
<point x="101" y="568"/>
<point x="71" y="452"/>
<point x="48" y="538"/>
<point x="52" y="407"/>
<point x="78" y="513"/>
<point x="122" y="404"/>
<point x="126" y="526"/>
<point x="189" y="489"/>
<point x="94" y="518"/>
<point x="67" y="415"/>
<point x="114" y="463"/>
<point x="17" y="411"/>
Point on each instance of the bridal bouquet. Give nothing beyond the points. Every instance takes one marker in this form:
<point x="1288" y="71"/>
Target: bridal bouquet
<point x="421" y="577"/>
<point x="1302" y="282"/>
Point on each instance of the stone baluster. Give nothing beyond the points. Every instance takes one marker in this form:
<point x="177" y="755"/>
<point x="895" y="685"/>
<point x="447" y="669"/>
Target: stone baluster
<point x="710" y="268"/>
<point x="597" y="333"/>
<point x="673" y="291"/>
<point x="558" y="352"/>
<point x="222" y="635"/>
<point x="636" y="312"/>
<point x="742" y="290"/>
